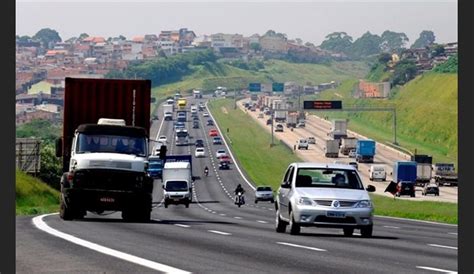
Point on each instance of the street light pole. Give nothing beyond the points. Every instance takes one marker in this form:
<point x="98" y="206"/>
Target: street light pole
<point x="272" y="128"/>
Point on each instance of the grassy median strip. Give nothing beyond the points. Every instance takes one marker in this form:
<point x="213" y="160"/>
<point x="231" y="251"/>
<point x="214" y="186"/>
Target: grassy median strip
<point x="34" y="196"/>
<point x="420" y="210"/>
<point x="266" y="166"/>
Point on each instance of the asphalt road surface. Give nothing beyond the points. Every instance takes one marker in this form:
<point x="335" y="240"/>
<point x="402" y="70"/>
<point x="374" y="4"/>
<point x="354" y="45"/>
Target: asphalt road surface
<point x="215" y="236"/>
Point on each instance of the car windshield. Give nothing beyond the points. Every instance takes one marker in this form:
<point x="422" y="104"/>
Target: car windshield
<point x="327" y="177"/>
<point x="176" y="186"/>
<point x="87" y="143"/>
<point x="155" y="165"/>
<point x="267" y="188"/>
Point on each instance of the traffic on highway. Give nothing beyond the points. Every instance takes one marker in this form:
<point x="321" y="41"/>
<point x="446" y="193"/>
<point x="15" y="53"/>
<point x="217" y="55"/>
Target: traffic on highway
<point x="202" y="213"/>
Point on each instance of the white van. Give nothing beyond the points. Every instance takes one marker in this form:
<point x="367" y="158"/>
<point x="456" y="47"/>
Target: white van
<point x="377" y="172"/>
<point x="177" y="181"/>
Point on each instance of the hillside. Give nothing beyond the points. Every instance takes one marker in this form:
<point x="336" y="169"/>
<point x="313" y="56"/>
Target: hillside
<point x="211" y="75"/>
<point x="426" y="115"/>
<point x="33" y="196"/>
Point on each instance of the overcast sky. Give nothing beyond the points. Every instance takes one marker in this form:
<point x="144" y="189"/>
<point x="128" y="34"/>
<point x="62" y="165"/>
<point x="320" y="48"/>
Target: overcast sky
<point x="310" y="20"/>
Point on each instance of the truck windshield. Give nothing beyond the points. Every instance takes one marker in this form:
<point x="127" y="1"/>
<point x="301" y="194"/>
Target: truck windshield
<point x="176" y="186"/>
<point x="87" y="143"/>
<point x="323" y="177"/>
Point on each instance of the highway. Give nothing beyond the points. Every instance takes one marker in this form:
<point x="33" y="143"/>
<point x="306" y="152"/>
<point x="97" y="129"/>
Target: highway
<point x="215" y="236"/>
<point x="320" y="128"/>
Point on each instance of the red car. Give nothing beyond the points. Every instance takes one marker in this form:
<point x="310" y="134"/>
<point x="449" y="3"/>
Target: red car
<point x="225" y="158"/>
<point x="213" y="132"/>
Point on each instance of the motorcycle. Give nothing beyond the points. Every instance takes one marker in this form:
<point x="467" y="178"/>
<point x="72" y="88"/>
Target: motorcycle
<point x="206" y="172"/>
<point x="239" y="199"/>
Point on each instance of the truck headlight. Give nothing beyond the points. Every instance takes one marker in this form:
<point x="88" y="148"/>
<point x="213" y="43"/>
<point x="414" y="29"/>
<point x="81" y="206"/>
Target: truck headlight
<point x="305" y="201"/>
<point x="364" y="203"/>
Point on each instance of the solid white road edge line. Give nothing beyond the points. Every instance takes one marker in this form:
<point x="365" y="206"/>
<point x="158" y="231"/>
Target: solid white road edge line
<point x="413" y="220"/>
<point x="219" y="232"/>
<point x="301" y="246"/>
<point x="436" y="269"/>
<point x="159" y="129"/>
<point x="181" y="225"/>
<point x="40" y="224"/>
<point x="389" y="226"/>
<point x="443" y="246"/>
<point x="262" y="222"/>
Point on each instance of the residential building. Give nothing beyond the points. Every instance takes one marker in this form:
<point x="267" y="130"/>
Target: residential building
<point x="274" y="43"/>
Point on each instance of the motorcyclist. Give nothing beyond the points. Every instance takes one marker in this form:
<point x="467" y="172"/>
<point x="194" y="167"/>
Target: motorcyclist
<point x="238" y="189"/>
<point x="206" y="171"/>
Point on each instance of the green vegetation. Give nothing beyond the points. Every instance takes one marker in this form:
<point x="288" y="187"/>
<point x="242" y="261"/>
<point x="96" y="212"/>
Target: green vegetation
<point x="422" y="210"/>
<point x="251" y="147"/>
<point x="51" y="166"/>
<point x="264" y="165"/>
<point x="33" y="196"/>
<point x="426" y="115"/>
<point x="378" y="73"/>
<point x="450" y="66"/>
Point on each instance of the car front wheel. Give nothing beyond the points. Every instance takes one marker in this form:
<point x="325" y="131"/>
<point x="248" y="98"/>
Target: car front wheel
<point x="366" y="232"/>
<point x="295" y="228"/>
<point x="280" y="225"/>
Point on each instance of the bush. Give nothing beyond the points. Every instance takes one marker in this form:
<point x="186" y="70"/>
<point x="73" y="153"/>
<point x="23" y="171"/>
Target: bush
<point x="450" y="66"/>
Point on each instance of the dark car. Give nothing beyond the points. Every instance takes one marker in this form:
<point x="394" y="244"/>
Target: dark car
<point x="405" y="188"/>
<point x="195" y="125"/>
<point x="224" y="165"/>
<point x="269" y="121"/>
<point x="430" y="189"/>
<point x="210" y="122"/>
<point x="217" y="140"/>
<point x="199" y="143"/>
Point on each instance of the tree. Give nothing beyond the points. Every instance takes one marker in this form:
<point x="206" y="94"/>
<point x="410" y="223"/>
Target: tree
<point x="337" y="42"/>
<point x="121" y="37"/>
<point x="368" y="44"/>
<point x="404" y="71"/>
<point x="47" y="36"/>
<point x="83" y="36"/>
<point x="309" y="45"/>
<point x="255" y="46"/>
<point x="438" y="50"/>
<point x="426" y="38"/>
<point x="23" y="39"/>
<point x="71" y="40"/>
<point x="51" y="166"/>
<point x="393" y="41"/>
<point x="299" y="41"/>
<point x="384" y="58"/>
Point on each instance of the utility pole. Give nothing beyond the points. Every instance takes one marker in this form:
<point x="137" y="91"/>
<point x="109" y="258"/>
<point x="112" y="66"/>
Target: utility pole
<point x="235" y="98"/>
<point x="272" y="128"/>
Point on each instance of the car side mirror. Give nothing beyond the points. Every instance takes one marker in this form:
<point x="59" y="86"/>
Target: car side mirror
<point x="163" y="186"/>
<point x="285" y="185"/>
<point x="370" y="188"/>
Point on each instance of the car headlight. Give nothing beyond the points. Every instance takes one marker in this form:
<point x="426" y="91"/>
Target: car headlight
<point x="305" y="201"/>
<point x="364" y="203"/>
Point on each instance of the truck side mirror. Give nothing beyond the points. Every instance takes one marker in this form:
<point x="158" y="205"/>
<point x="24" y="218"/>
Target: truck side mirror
<point x="152" y="100"/>
<point x="59" y="147"/>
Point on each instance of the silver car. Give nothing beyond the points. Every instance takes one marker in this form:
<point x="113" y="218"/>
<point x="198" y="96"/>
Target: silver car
<point x="264" y="193"/>
<point x="323" y="195"/>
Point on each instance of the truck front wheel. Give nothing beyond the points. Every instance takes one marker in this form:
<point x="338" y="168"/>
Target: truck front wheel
<point x="65" y="212"/>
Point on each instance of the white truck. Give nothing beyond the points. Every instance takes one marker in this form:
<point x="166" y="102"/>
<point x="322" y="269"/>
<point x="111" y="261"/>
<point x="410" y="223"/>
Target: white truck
<point x="338" y="129"/>
<point x="331" y="150"/>
<point x="197" y="94"/>
<point x="280" y="116"/>
<point x="177" y="183"/>
<point x="423" y="168"/>
<point x="168" y="112"/>
<point x="348" y="144"/>
<point x="291" y="119"/>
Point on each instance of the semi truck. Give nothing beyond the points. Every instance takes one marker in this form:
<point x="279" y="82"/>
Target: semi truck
<point x="168" y="112"/>
<point x="348" y="144"/>
<point x="445" y="173"/>
<point x="197" y="94"/>
<point x="338" y="129"/>
<point x="331" y="150"/>
<point x="365" y="151"/>
<point x="291" y="119"/>
<point x="104" y="148"/>
<point x="423" y="168"/>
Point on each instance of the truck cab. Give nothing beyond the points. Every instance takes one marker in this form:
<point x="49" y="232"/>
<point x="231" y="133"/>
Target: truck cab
<point x="155" y="167"/>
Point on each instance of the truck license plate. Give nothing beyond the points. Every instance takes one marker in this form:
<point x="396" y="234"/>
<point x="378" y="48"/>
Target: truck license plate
<point x="336" y="214"/>
<point x="107" y="199"/>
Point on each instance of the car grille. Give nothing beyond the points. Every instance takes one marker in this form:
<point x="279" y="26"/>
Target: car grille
<point x="325" y="219"/>
<point x="341" y="203"/>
